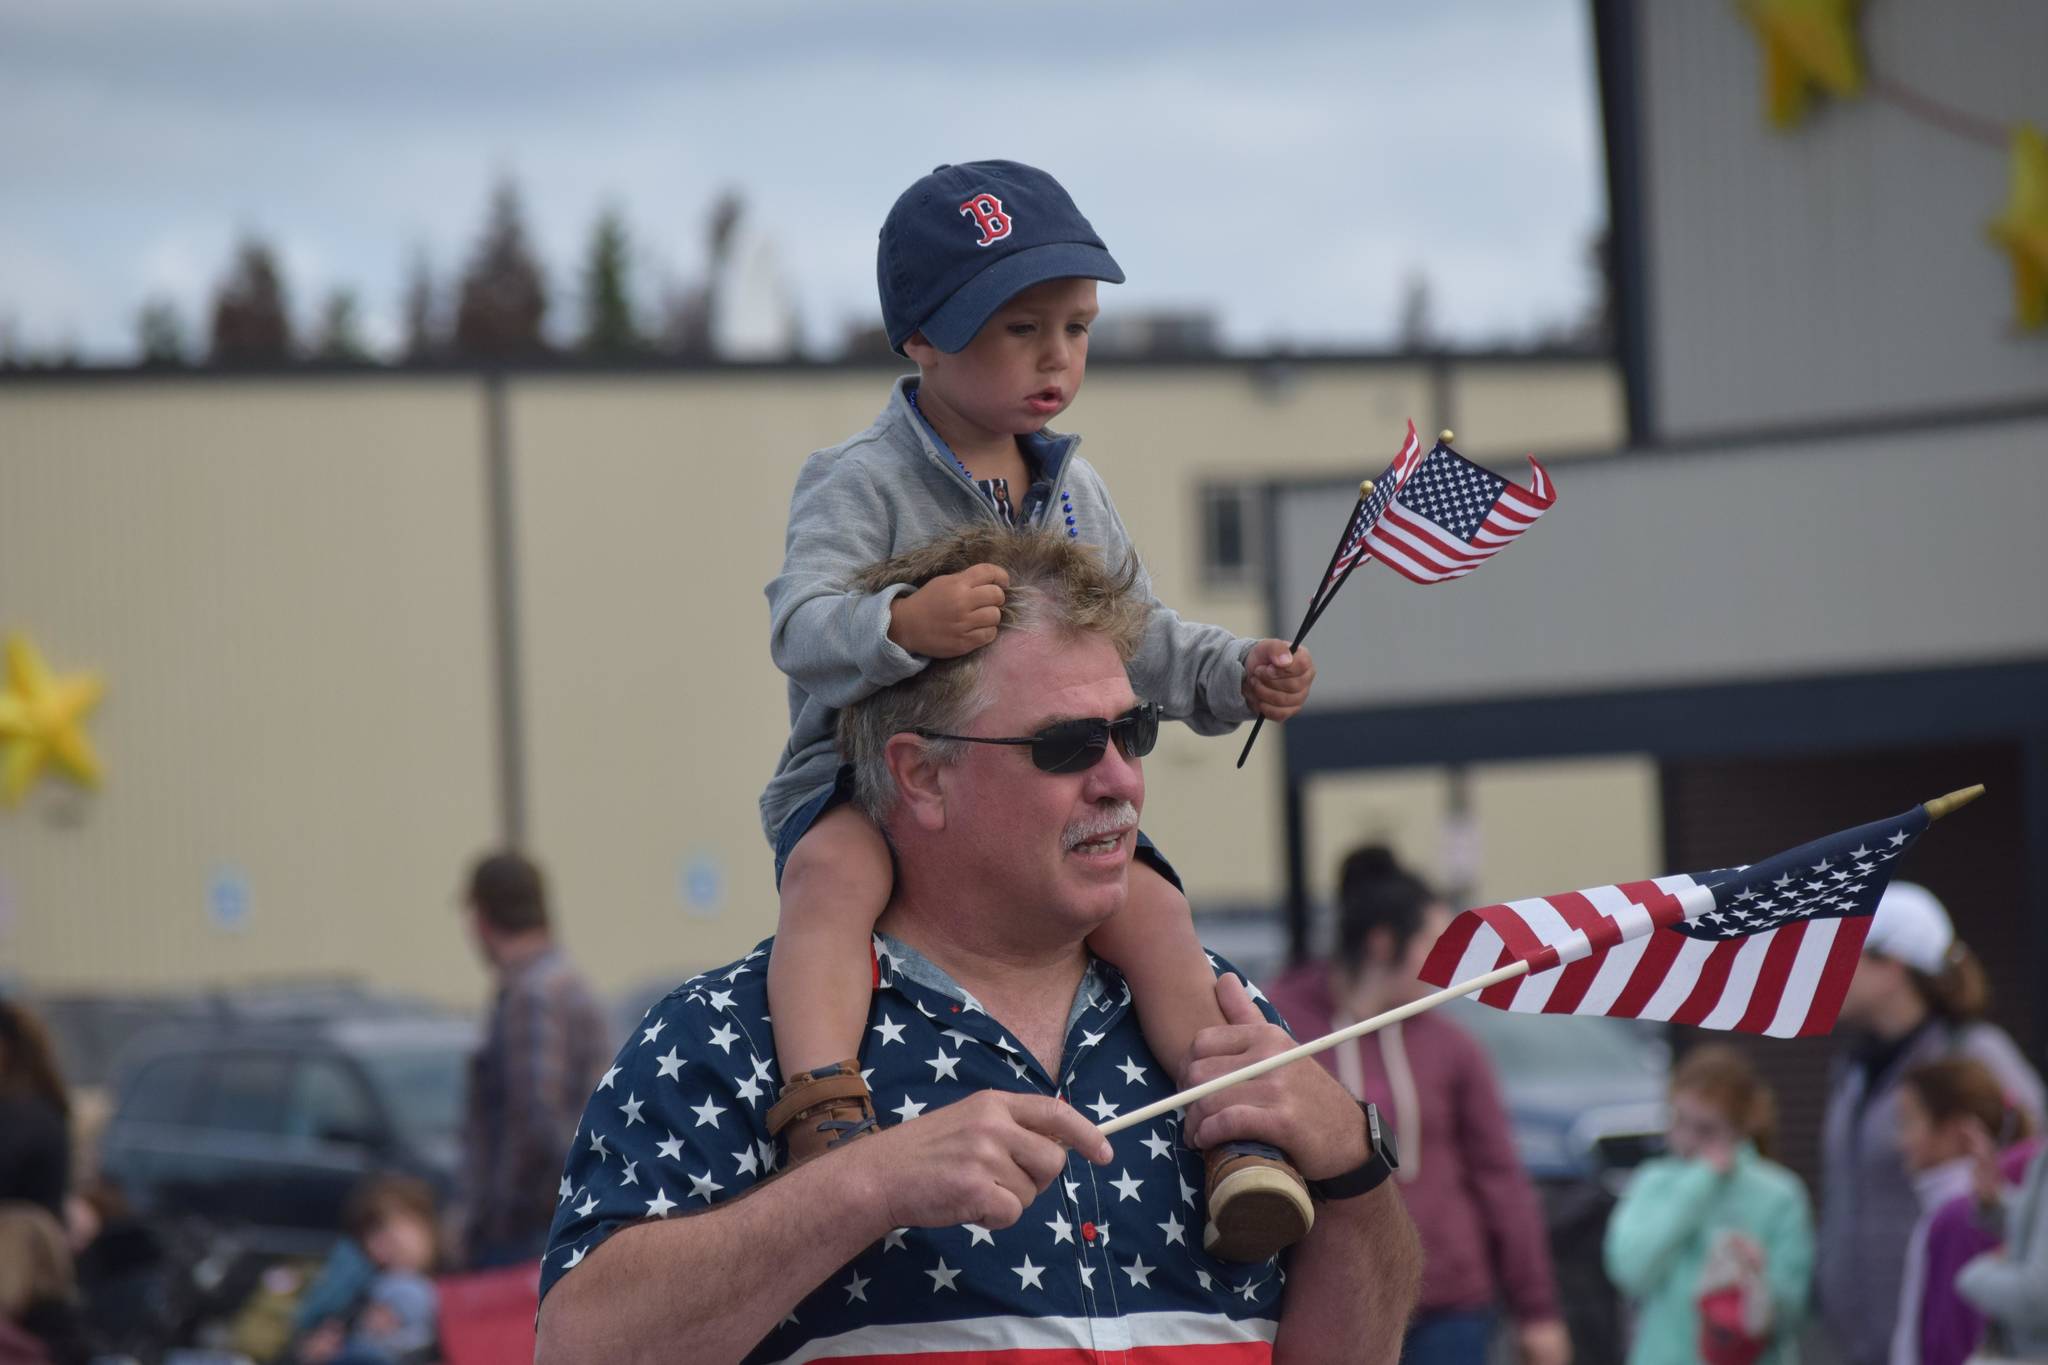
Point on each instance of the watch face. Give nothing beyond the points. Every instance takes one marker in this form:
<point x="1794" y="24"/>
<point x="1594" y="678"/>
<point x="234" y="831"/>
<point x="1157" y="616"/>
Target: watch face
<point x="1382" y="1142"/>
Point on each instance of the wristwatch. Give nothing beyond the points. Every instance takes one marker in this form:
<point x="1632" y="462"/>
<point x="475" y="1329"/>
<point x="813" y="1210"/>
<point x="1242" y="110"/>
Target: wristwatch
<point x="1380" y="1162"/>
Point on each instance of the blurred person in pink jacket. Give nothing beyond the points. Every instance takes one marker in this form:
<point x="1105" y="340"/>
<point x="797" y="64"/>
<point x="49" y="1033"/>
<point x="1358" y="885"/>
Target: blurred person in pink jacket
<point x="1483" y="1238"/>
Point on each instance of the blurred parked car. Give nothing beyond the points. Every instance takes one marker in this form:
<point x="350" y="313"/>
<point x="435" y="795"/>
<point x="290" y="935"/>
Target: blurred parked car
<point x="264" y="1125"/>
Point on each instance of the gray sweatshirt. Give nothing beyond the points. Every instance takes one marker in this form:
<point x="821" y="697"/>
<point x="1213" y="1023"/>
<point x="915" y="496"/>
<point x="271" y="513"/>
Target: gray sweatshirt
<point x="888" y="489"/>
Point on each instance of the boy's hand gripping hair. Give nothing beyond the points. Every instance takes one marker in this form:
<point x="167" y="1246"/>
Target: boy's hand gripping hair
<point x="951" y="615"/>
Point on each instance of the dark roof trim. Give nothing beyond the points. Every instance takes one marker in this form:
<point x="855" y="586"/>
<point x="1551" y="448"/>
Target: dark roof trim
<point x="666" y="366"/>
<point x="1706" y="720"/>
<point x="1731" y="442"/>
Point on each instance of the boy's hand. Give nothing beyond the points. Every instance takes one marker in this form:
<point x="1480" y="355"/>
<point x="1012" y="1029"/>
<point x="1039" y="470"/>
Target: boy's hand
<point x="1276" y="681"/>
<point x="953" y="614"/>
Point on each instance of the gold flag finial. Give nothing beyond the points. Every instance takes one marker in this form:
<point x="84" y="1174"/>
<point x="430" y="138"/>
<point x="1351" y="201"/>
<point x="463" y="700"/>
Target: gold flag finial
<point x="1445" y="435"/>
<point x="1955" y="800"/>
<point x="1365" y="488"/>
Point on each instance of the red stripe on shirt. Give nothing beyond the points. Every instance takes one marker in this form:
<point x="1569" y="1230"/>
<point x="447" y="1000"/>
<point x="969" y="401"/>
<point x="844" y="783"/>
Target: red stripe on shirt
<point x="1214" y="1353"/>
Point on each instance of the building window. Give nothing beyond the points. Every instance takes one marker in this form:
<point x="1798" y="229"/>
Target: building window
<point x="1230" y="535"/>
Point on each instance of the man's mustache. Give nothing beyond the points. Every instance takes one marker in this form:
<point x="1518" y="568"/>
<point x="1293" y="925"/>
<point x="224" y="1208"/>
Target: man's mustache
<point x="1111" y="817"/>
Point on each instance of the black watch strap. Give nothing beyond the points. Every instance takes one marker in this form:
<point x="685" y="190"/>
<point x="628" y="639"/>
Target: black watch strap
<point x="1380" y="1162"/>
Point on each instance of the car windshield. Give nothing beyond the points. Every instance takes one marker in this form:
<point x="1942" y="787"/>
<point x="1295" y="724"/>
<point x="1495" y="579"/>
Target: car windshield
<point x="421" y="1083"/>
<point x="1563" y="1046"/>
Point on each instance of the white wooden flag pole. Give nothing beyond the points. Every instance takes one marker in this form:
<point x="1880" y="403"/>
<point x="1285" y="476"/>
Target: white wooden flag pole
<point x="1310" y="1049"/>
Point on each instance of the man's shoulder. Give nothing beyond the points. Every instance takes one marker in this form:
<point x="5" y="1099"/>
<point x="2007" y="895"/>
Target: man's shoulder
<point x="738" y="988"/>
<point x="1223" y="966"/>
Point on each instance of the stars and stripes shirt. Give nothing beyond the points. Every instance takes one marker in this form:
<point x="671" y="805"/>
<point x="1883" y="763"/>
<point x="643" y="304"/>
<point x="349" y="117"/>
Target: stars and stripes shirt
<point x="1765" y="948"/>
<point x="1106" y="1265"/>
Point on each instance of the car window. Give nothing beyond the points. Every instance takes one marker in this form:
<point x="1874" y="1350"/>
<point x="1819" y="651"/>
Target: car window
<point x="329" y="1104"/>
<point x="1563" y="1046"/>
<point x="163" y="1091"/>
<point x="422" y="1086"/>
<point x="246" y="1092"/>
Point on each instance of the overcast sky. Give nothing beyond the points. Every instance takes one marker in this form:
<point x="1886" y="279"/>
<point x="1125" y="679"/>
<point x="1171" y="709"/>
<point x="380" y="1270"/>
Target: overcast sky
<point x="1287" y="165"/>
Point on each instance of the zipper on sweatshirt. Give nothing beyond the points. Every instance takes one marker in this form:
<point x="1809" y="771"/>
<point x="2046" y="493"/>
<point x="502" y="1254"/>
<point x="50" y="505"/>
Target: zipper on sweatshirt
<point x="1056" y="495"/>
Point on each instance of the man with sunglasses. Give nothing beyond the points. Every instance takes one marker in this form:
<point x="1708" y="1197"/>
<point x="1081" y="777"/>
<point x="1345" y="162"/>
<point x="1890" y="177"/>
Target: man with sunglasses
<point x="988" y="1216"/>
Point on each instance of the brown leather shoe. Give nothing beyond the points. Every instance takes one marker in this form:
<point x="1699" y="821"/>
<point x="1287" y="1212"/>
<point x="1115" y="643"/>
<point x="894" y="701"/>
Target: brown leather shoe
<point x="1258" y="1205"/>
<point x="822" y="1109"/>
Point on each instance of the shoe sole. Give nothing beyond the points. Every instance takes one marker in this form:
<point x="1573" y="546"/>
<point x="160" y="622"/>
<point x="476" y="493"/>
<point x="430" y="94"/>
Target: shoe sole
<point x="1254" y="1214"/>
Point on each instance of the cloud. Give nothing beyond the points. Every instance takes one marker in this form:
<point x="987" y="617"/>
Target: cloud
<point x="1287" y="165"/>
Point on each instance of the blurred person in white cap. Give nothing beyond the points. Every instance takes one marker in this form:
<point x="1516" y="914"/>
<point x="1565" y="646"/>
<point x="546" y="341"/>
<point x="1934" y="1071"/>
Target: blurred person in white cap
<point x="1918" y="996"/>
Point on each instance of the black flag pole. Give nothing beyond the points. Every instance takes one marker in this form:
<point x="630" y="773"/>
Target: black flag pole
<point x="1326" y="590"/>
<point x="1308" y="618"/>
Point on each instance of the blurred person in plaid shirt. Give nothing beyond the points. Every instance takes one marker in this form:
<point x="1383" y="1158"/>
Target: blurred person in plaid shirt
<point x="544" y="1045"/>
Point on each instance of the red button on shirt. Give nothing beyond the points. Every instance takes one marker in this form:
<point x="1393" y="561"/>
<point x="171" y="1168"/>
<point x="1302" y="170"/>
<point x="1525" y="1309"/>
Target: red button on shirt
<point x="1088" y="1232"/>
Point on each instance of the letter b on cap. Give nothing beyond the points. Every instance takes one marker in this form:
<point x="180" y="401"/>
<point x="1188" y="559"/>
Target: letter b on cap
<point x="987" y="212"/>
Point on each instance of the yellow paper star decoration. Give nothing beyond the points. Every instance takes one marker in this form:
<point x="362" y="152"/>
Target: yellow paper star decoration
<point x="2023" y="228"/>
<point x="40" y="722"/>
<point x="1807" y="44"/>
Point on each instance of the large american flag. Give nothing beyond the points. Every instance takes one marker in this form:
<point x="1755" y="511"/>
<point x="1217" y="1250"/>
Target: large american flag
<point x="1766" y="948"/>
<point x="1372" y="506"/>
<point x="1453" y="516"/>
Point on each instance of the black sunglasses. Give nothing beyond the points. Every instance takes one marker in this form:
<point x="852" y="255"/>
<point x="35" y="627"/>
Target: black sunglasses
<point x="1073" y="746"/>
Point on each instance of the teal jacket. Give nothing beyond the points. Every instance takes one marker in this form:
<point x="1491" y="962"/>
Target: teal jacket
<point x="1659" y="1235"/>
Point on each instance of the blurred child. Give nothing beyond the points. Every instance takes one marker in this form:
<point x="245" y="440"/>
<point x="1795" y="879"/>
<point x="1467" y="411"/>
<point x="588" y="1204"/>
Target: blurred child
<point x="1918" y="995"/>
<point x="1714" y="1243"/>
<point x="1949" y="1112"/>
<point x="2009" y="1284"/>
<point x="392" y="1322"/>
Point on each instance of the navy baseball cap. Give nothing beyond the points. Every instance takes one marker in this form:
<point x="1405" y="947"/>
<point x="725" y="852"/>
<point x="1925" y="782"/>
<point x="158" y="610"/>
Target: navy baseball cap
<point x="967" y="239"/>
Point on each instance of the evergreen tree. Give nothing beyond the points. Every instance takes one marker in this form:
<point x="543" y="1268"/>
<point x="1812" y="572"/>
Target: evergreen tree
<point x="608" y="325"/>
<point x="160" y="333"/>
<point x="503" y="294"/>
<point x="423" y="338"/>
<point x="250" y="323"/>
<point x="1415" y="329"/>
<point x="341" y="334"/>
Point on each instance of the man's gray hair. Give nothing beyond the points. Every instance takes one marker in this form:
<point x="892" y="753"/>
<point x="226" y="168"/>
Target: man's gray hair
<point x="1056" y="584"/>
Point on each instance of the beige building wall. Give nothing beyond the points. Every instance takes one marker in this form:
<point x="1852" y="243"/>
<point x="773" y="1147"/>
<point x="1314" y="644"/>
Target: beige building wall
<point x="650" y="518"/>
<point x="283" y="585"/>
<point x="287" y="586"/>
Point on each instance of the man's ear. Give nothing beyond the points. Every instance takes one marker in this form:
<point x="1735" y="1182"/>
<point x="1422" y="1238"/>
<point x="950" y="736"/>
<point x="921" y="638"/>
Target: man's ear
<point x="919" y="791"/>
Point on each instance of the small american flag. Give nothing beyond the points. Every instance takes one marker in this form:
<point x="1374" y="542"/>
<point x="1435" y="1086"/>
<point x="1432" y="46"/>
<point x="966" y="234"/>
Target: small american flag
<point x="1767" y="948"/>
<point x="1373" y="505"/>
<point x="1453" y="516"/>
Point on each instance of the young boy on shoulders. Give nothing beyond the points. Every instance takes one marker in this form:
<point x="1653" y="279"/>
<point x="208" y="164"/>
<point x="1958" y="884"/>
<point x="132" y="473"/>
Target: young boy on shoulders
<point x="988" y="275"/>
